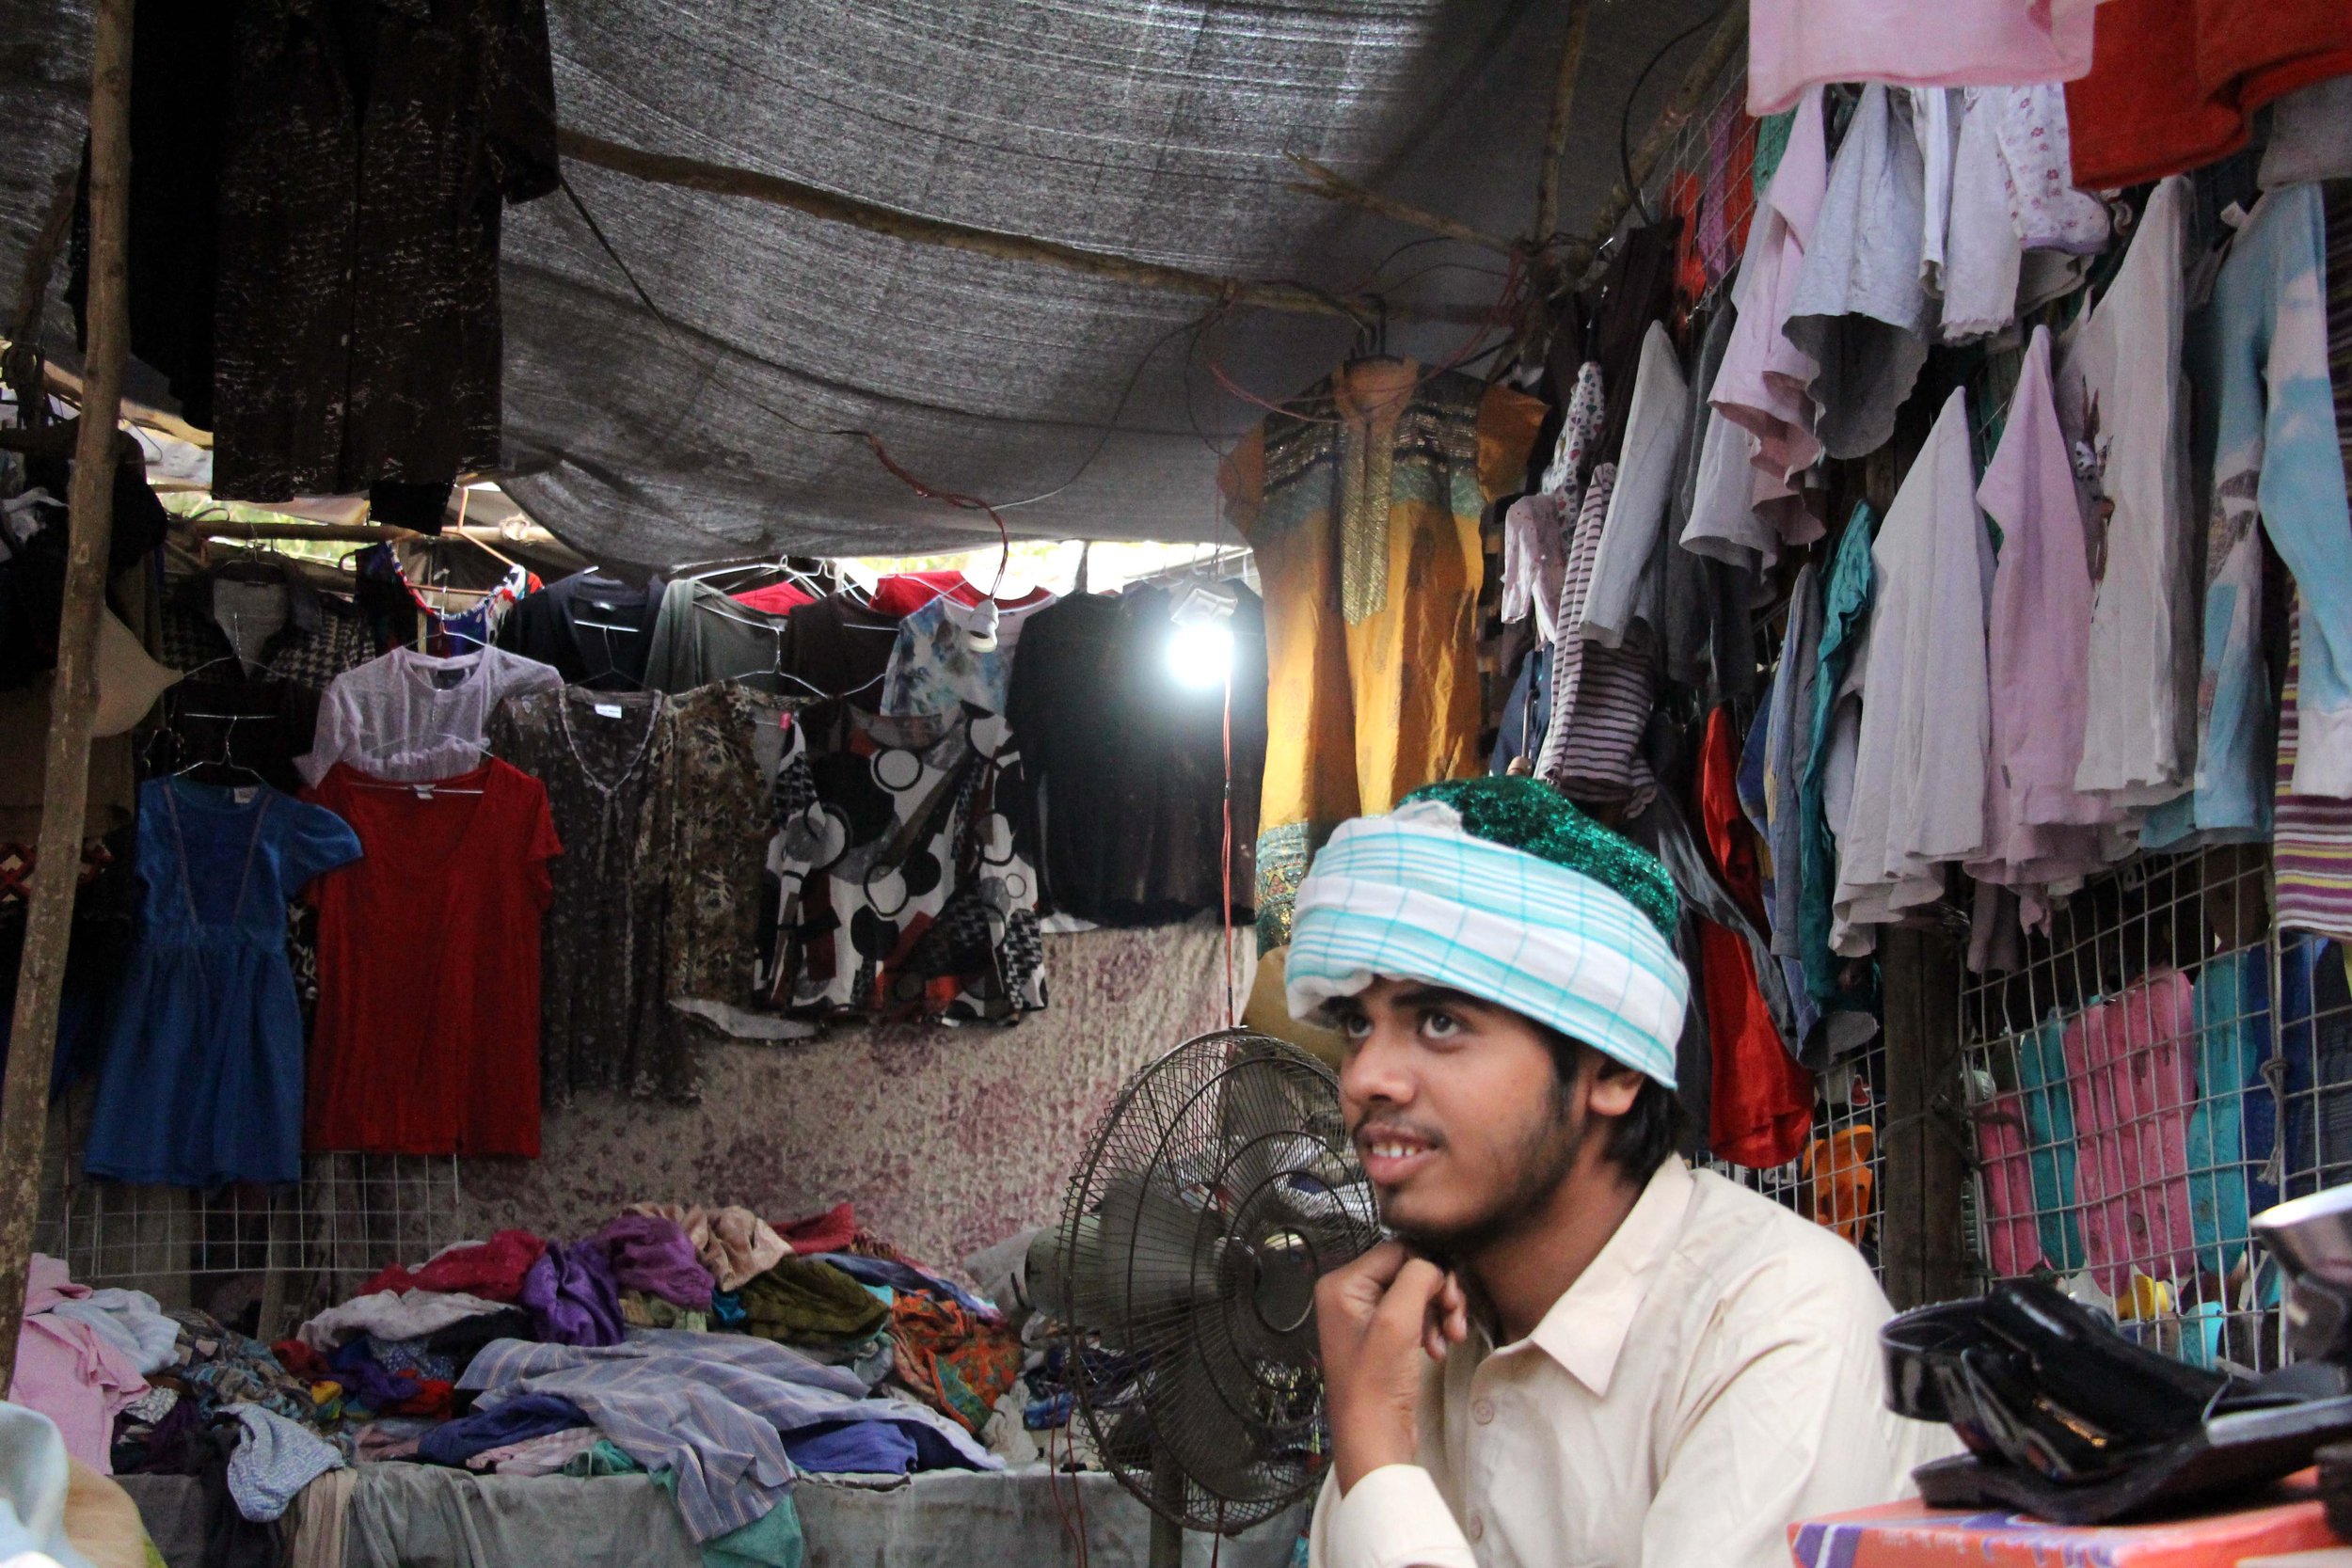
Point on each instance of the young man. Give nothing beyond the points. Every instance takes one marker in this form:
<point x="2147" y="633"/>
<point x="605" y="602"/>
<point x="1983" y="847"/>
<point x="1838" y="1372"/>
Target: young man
<point x="1637" y="1365"/>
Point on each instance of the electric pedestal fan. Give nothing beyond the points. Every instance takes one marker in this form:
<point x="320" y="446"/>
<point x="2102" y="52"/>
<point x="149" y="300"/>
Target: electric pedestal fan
<point x="1213" y="1193"/>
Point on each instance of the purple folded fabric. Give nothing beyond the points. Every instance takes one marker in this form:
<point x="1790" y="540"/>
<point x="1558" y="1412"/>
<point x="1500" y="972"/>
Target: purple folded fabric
<point x="655" y="1255"/>
<point x="572" y="1297"/>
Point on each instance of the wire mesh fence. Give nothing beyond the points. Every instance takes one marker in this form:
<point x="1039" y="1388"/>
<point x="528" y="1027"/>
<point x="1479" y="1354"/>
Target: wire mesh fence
<point x="2163" y="1064"/>
<point x="262" y="1254"/>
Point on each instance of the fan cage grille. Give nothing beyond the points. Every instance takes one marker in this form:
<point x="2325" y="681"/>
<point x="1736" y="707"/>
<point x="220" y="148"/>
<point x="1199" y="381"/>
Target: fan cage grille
<point x="1220" y="1181"/>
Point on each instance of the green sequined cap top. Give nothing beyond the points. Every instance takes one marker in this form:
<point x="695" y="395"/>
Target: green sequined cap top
<point x="1530" y="816"/>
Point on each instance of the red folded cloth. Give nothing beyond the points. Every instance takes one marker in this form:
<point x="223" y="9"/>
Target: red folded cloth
<point x="492" y="1269"/>
<point x="2175" y="83"/>
<point x="830" y="1232"/>
<point x="777" y="598"/>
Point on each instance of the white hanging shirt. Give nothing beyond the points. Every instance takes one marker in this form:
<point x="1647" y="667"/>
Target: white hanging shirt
<point x="411" y="718"/>
<point x="2126" y="416"/>
<point x="1918" y="786"/>
<point x="1624" y="589"/>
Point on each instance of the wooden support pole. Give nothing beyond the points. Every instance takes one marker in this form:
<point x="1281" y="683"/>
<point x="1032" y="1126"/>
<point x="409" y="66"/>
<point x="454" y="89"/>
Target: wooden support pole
<point x="1332" y="185"/>
<point x="1922" y="1254"/>
<point x="1563" y="109"/>
<point x="49" y="924"/>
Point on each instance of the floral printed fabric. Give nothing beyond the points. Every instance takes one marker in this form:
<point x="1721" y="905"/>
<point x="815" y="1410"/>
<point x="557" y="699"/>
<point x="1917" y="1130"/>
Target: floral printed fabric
<point x="934" y="668"/>
<point x="714" y="843"/>
<point x="2048" y="211"/>
<point x="908" y="888"/>
<point x="972" y="1141"/>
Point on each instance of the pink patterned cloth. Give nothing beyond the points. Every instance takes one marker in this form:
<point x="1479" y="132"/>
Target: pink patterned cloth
<point x="69" y="1371"/>
<point x="2012" y="1235"/>
<point x="2133" y="1067"/>
<point x="2037" y="159"/>
<point x="1797" y="44"/>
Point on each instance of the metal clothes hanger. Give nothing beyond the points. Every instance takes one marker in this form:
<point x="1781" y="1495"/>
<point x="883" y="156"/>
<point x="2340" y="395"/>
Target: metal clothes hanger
<point x="426" y="788"/>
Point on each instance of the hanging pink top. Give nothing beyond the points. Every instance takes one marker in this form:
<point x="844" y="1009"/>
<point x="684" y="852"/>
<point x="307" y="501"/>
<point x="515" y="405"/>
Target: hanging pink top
<point x="2038" y="830"/>
<point x="2133" y="1066"/>
<point x="1761" y="384"/>
<point x="1796" y="45"/>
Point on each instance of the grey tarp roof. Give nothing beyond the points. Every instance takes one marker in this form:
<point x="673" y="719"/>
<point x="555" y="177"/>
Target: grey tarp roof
<point x="1154" y="130"/>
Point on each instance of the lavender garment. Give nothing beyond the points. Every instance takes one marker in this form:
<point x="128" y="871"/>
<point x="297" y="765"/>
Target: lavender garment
<point x="656" y="1256"/>
<point x="572" y="1296"/>
<point x="712" y="1407"/>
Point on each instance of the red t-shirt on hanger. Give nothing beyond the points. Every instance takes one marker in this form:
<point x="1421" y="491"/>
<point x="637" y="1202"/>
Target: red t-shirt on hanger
<point x="427" y="1039"/>
<point x="905" y="593"/>
<point x="777" y="598"/>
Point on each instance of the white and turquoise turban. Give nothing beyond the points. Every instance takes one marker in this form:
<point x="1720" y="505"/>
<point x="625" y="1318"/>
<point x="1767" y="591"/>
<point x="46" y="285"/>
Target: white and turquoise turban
<point x="1499" y="888"/>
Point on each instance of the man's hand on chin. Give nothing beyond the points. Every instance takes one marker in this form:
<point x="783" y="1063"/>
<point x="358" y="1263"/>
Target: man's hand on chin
<point x="1377" y="1319"/>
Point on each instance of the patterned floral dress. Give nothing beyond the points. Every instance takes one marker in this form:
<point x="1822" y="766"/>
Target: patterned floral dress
<point x="908" y="887"/>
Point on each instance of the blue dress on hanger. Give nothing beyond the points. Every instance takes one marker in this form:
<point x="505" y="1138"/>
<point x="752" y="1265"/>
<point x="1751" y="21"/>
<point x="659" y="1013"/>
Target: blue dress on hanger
<point x="202" y="1078"/>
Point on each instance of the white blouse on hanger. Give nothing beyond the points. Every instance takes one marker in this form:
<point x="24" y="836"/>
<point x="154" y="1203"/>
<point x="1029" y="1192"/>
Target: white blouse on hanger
<point x="412" y="717"/>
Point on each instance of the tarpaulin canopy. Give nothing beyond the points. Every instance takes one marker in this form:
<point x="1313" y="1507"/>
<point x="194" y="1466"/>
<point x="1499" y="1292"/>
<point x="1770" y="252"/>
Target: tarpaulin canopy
<point x="1152" y="131"/>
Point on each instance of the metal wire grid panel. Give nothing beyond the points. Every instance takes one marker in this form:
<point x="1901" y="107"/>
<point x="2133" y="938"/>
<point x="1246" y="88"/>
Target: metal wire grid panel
<point x="2163" y="1064"/>
<point x="1706" y="178"/>
<point x="1836" y="1181"/>
<point x="279" y="1251"/>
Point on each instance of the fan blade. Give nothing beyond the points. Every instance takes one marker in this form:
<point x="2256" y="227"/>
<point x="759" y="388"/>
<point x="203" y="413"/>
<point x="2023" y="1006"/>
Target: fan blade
<point x="1140" y="1261"/>
<point x="1199" y="1428"/>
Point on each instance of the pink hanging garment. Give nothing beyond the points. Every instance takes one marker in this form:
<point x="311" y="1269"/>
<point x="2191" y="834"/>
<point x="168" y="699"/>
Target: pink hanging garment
<point x="2012" y="1232"/>
<point x="2132" y="1064"/>
<point x="1761" y="384"/>
<point x="1793" y="44"/>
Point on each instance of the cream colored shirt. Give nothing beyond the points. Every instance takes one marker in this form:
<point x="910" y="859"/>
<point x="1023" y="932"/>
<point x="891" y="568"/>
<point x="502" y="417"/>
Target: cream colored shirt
<point x="1713" y="1376"/>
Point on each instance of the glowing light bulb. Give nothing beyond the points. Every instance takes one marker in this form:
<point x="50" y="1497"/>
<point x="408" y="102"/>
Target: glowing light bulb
<point x="1198" y="655"/>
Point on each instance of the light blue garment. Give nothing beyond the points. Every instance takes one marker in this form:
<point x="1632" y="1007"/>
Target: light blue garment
<point x="2232" y="1130"/>
<point x="2258" y="356"/>
<point x="1414" y="895"/>
<point x="710" y="1407"/>
<point x="133" y="1320"/>
<point x="934" y="668"/>
<point x="274" y="1459"/>
<point x="2049" y="1106"/>
<point x="33" y="1480"/>
<point x="1845" y="615"/>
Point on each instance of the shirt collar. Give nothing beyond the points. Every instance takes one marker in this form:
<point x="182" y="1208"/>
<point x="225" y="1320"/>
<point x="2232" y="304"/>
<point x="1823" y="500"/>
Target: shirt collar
<point x="1586" y="1328"/>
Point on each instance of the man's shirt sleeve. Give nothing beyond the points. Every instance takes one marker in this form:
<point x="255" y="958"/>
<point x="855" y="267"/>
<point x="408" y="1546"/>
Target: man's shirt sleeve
<point x="1394" y="1518"/>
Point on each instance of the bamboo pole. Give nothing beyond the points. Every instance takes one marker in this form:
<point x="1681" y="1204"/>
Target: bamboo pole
<point x="74" y="691"/>
<point x="1332" y="185"/>
<point x="1562" y="107"/>
<point x="724" y="179"/>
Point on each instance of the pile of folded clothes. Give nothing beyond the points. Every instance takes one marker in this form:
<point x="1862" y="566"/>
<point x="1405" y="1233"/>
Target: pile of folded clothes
<point x="718" y="1352"/>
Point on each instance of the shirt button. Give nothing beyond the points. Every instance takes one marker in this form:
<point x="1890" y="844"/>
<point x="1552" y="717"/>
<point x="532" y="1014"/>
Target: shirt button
<point x="1484" y="1412"/>
<point x="1478" y="1527"/>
